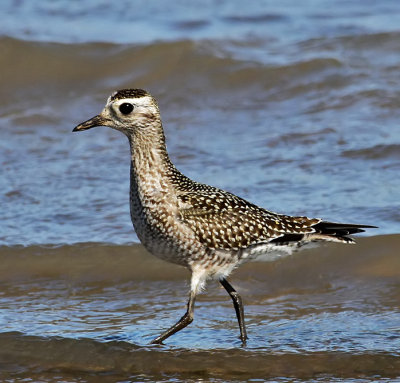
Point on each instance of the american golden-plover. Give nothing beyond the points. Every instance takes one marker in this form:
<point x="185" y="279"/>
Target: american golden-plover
<point x="206" y="229"/>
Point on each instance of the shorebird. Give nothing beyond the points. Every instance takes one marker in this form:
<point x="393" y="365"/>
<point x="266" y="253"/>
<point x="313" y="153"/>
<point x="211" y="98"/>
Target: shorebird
<point x="208" y="230"/>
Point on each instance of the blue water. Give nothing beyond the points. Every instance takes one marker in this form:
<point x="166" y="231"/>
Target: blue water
<point x="148" y="21"/>
<point x="291" y="105"/>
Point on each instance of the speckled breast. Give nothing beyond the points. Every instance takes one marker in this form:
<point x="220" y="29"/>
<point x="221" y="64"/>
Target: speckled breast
<point x="160" y="230"/>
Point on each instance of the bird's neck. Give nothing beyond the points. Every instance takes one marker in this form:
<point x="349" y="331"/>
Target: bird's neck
<point x="151" y="168"/>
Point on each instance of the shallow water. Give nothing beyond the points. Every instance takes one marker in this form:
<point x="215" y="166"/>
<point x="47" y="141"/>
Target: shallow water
<point x="294" y="106"/>
<point x="89" y="309"/>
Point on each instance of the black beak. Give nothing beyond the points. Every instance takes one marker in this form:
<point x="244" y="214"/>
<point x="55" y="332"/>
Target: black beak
<point x="95" y="121"/>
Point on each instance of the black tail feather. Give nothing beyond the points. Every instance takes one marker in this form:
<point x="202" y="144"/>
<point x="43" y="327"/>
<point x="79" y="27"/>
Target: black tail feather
<point x="340" y="229"/>
<point x="333" y="230"/>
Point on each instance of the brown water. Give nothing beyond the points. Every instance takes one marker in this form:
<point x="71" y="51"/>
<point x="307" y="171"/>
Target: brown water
<point x="292" y="105"/>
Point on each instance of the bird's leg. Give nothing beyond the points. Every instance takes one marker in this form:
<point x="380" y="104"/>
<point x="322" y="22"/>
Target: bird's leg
<point x="182" y="323"/>
<point x="237" y="303"/>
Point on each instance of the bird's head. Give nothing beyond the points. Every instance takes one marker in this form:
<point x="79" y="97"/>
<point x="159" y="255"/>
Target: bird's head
<point x="126" y="110"/>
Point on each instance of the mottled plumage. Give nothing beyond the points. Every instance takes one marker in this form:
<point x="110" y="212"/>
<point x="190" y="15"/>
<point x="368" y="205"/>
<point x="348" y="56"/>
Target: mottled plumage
<point x="206" y="229"/>
<point x="128" y="93"/>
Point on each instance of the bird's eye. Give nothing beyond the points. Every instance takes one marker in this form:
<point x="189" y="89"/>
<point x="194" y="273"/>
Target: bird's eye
<point x="125" y="108"/>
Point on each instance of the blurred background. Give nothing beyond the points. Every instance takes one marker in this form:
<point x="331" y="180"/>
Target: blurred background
<point x="293" y="105"/>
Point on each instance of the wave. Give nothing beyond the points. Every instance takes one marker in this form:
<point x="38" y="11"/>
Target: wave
<point x="169" y="67"/>
<point x="381" y="151"/>
<point x="371" y="257"/>
<point x="121" y="358"/>
<point x="166" y="66"/>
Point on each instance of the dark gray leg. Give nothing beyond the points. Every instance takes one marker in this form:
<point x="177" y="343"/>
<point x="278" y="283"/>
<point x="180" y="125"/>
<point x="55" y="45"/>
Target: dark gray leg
<point x="237" y="303"/>
<point x="182" y="323"/>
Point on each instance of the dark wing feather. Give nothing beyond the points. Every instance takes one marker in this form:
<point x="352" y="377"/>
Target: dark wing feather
<point x="328" y="231"/>
<point x="222" y="220"/>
